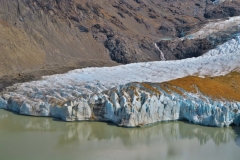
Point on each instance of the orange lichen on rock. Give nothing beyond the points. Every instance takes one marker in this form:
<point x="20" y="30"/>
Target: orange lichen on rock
<point x="222" y="87"/>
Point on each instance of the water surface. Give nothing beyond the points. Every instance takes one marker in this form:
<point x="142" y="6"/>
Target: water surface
<point x="28" y="138"/>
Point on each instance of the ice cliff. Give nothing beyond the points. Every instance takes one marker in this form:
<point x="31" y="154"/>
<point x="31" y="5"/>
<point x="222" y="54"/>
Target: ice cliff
<point x="119" y="94"/>
<point x="133" y="104"/>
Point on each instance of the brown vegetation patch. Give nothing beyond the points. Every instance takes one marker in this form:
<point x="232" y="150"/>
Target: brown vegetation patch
<point x="172" y="88"/>
<point x="222" y="87"/>
<point x="151" y="88"/>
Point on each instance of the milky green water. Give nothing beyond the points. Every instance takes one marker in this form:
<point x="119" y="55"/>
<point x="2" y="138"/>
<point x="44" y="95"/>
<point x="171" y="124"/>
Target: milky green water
<point x="33" y="138"/>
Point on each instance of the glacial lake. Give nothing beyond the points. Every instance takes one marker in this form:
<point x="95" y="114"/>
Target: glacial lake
<point x="35" y="138"/>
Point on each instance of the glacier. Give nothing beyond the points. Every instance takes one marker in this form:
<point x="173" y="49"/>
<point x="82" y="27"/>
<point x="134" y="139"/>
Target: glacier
<point x="131" y="95"/>
<point x="214" y="27"/>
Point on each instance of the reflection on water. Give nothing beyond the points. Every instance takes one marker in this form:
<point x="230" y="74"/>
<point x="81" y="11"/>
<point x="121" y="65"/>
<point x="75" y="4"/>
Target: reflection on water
<point x="84" y="131"/>
<point x="238" y="140"/>
<point x="237" y="131"/>
<point x="170" y="137"/>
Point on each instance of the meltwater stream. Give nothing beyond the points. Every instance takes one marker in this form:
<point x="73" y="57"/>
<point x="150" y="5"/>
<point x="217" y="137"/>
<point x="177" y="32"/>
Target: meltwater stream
<point x="27" y="138"/>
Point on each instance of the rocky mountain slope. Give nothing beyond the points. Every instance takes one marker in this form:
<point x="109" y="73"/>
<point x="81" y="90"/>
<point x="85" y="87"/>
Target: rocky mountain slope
<point x="40" y="37"/>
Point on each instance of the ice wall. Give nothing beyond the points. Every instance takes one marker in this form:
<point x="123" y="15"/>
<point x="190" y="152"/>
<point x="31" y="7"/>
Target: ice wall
<point x="135" y="104"/>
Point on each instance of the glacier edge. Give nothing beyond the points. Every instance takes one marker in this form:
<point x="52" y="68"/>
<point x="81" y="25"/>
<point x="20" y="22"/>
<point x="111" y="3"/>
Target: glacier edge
<point x="134" y="104"/>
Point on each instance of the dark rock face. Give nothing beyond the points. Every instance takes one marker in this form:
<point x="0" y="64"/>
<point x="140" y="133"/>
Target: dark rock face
<point x="185" y="49"/>
<point x="83" y="29"/>
<point x="181" y="49"/>
<point x="114" y="43"/>
<point x="117" y="50"/>
<point x="222" y="10"/>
